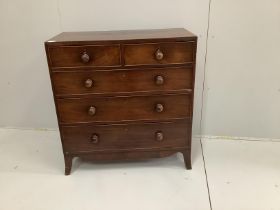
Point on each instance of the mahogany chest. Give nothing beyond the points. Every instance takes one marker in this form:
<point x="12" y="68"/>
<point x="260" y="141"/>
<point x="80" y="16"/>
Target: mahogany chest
<point x="123" y="94"/>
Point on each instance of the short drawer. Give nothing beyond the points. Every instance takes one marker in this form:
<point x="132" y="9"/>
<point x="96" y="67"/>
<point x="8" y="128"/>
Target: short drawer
<point x="82" y="56"/>
<point x="122" y="81"/>
<point x="133" y="136"/>
<point x="124" y="108"/>
<point x="159" y="53"/>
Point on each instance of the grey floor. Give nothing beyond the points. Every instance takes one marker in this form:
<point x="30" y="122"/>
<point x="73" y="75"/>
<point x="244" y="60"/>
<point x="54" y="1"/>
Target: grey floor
<point x="226" y="175"/>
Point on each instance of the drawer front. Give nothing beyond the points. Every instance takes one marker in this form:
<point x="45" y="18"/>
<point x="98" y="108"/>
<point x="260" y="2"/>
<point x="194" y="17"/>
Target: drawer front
<point x="114" y="109"/>
<point x="122" y="81"/>
<point x="82" y="56"/>
<point x="133" y="136"/>
<point x="159" y="53"/>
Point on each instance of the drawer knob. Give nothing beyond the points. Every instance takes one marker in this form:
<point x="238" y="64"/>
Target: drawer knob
<point x="159" y="80"/>
<point x="159" y="55"/>
<point x="85" y="57"/>
<point x="159" y="108"/>
<point x="88" y="83"/>
<point x="91" y="111"/>
<point x="94" y="138"/>
<point x="159" y="136"/>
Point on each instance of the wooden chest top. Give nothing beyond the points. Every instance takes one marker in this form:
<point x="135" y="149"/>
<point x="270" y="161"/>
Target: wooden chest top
<point x="124" y="36"/>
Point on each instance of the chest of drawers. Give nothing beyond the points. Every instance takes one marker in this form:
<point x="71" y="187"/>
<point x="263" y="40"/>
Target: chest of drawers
<point x="123" y="94"/>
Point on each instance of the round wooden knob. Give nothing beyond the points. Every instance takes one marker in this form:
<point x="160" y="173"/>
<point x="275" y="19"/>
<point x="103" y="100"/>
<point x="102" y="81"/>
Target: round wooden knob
<point x="85" y="57"/>
<point x="159" y="55"/>
<point x="159" y="136"/>
<point x="159" y="108"/>
<point x="94" y="138"/>
<point x="88" y="83"/>
<point x="159" y="80"/>
<point x="91" y="111"/>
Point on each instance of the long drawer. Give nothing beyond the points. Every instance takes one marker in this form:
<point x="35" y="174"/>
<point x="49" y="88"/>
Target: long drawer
<point x="124" y="108"/>
<point x="122" y="81"/>
<point x="120" y="137"/>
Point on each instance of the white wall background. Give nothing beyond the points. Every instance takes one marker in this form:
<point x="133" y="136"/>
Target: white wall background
<point x="242" y="77"/>
<point x="242" y="81"/>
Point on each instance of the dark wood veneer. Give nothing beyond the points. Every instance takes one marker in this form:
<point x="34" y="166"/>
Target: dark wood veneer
<point x="98" y="55"/>
<point x="125" y="136"/>
<point x="124" y="81"/>
<point x="145" y="54"/>
<point x="123" y="94"/>
<point x="124" y="108"/>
